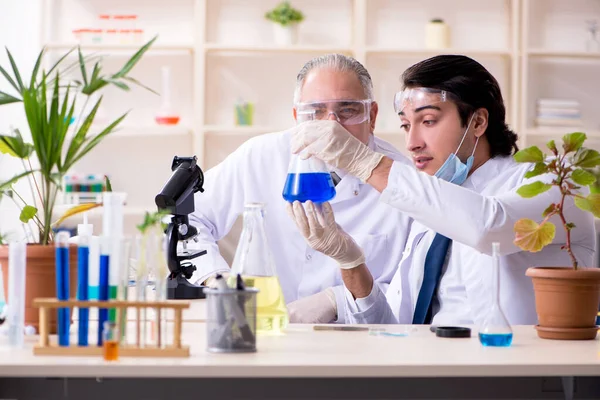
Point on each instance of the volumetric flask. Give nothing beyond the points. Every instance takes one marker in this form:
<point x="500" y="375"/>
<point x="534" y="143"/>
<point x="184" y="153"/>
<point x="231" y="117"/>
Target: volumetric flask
<point x="308" y="179"/>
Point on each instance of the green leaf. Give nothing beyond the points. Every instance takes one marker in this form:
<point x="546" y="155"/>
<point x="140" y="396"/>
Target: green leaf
<point x="573" y="141"/>
<point x="582" y="177"/>
<point x="60" y="60"/>
<point x="586" y="158"/>
<point x="530" y="236"/>
<point x="570" y="225"/>
<point x="552" y="146"/>
<point x="533" y="189"/>
<point x="8" y="184"/>
<point x="15" y="71"/>
<point x="120" y="85"/>
<point x="27" y="213"/>
<point x="15" y="146"/>
<point x="539" y="169"/>
<point x="590" y="203"/>
<point x="6" y="98"/>
<point x="9" y="79"/>
<point x="107" y="184"/>
<point x="531" y="154"/>
<point x="134" y="59"/>
<point x="135" y="81"/>
<point x="551" y="208"/>
<point x="36" y="68"/>
<point x="82" y="66"/>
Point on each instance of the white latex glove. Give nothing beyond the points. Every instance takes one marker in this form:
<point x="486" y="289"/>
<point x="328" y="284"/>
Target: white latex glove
<point x="320" y="308"/>
<point x="332" y="143"/>
<point x="317" y="225"/>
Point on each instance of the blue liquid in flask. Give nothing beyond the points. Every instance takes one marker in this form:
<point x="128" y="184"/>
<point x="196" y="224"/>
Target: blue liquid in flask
<point x="496" y="339"/>
<point x="314" y="186"/>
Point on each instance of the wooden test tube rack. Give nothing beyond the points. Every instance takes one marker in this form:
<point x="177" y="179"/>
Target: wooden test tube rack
<point x="175" y="349"/>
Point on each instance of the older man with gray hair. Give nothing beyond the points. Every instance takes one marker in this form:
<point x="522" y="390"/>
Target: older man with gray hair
<point x="335" y="87"/>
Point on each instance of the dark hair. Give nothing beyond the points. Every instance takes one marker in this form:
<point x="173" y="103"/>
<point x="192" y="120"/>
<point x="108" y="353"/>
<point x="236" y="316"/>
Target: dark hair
<point x="475" y="88"/>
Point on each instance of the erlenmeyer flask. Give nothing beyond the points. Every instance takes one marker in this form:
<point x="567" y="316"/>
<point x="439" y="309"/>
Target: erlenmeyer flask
<point x="254" y="262"/>
<point x="308" y="179"/>
<point x="496" y="330"/>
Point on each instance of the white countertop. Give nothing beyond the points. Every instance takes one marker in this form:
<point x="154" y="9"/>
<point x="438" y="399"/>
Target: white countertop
<point x="303" y="352"/>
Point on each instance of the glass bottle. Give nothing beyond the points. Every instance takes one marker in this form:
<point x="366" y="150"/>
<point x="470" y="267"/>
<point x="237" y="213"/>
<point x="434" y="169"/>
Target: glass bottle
<point x="308" y="179"/>
<point x="496" y="330"/>
<point x="592" y="43"/>
<point x="254" y="262"/>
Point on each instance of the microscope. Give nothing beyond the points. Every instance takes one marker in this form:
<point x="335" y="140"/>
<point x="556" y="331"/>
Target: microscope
<point x="177" y="198"/>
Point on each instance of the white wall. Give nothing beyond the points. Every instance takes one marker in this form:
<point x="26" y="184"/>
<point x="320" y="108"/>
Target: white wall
<point x="20" y="33"/>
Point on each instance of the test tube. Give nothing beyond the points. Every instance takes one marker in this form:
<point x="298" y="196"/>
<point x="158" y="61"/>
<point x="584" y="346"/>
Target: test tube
<point x="83" y="257"/>
<point x="62" y="285"/>
<point x="123" y="285"/>
<point x="157" y="265"/>
<point x="141" y="285"/>
<point x="105" y="247"/>
<point x="17" y="252"/>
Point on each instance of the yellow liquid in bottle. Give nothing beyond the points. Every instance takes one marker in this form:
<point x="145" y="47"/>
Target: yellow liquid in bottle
<point x="271" y="312"/>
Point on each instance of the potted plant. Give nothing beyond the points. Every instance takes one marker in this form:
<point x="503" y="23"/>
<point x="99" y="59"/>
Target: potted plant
<point x="566" y="298"/>
<point x="285" y="20"/>
<point x="49" y="99"/>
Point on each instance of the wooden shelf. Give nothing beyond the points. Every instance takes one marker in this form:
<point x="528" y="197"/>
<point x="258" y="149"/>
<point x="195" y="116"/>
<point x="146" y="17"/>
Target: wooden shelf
<point x="563" y="54"/>
<point x="217" y="47"/>
<point x="156" y="49"/>
<point x="432" y="52"/>
<point x="561" y="131"/>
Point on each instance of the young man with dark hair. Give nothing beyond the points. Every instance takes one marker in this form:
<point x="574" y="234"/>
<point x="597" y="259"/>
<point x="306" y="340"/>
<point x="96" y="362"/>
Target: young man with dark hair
<point x="453" y="114"/>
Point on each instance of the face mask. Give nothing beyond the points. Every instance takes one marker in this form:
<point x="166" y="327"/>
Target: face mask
<point x="454" y="170"/>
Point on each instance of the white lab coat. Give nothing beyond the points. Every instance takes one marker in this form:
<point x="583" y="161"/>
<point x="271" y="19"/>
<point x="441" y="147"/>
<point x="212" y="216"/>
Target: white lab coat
<point x="474" y="216"/>
<point x="256" y="172"/>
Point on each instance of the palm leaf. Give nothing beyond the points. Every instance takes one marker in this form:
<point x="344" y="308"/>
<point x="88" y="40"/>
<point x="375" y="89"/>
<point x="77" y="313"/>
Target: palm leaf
<point x="36" y="68"/>
<point x="6" y="98"/>
<point x="15" y="71"/>
<point x="135" y="81"/>
<point x="82" y="66"/>
<point x="9" y="78"/>
<point x="134" y="59"/>
<point x="76" y="210"/>
<point x="79" y="137"/>
<point x="94" y="141"/>
<point x="60" y="60"/>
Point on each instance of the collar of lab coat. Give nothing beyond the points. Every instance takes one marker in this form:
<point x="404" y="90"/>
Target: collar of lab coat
<point x="482" y="176"/>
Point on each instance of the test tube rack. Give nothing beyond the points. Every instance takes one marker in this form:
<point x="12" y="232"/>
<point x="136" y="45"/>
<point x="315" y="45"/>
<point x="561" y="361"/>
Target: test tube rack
<point x="46" y="347"/>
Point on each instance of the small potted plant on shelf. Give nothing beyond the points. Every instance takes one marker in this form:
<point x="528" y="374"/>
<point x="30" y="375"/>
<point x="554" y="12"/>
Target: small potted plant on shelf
<point x="285" y="20"/>
<point x="566" y="298"/>
<point x="49" y="98"/>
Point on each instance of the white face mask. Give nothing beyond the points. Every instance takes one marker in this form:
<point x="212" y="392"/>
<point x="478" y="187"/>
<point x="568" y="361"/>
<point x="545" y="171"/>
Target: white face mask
<point x="454" y="170"/>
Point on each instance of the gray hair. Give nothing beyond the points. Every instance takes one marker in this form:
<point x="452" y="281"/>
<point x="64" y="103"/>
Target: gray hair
<point x="337" y="62"/>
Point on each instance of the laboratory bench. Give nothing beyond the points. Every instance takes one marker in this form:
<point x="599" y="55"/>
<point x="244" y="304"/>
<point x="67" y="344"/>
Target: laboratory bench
<point x="304" y="363"/>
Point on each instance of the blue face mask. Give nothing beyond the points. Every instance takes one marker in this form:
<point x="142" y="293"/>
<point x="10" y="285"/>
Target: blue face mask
<point x="454" y="170"/>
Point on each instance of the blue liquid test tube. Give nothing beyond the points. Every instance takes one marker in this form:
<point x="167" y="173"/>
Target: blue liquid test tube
<point x="62" y="285"/>
<point x="105" y="247"/>
<point x="83" y="257"/>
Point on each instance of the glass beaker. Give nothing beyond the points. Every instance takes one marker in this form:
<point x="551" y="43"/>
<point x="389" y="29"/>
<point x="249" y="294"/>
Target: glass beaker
<point x="308" y="179"/>
<point x="254" y="262"/>
<point x="496" y="330"/>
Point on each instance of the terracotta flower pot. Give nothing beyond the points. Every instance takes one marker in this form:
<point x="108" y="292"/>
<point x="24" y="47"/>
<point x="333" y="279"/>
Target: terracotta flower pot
<point x="566" y="302"/>
<point x="40" y="279"/>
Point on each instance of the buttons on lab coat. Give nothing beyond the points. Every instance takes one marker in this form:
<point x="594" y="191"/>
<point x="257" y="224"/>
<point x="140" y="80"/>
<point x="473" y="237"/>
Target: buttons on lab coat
<point x="308" y="257"/>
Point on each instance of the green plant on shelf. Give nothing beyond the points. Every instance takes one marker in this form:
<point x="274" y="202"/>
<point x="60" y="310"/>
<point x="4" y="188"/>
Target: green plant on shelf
<point x="284" y="14"/>
<point x="49" y="99"/>
<point x="572" y="169"/>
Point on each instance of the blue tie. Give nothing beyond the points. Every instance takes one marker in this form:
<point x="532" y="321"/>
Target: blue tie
<point x="434" y="261"/>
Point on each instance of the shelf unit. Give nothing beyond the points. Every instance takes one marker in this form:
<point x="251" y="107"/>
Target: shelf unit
<point x="221" y="51"/>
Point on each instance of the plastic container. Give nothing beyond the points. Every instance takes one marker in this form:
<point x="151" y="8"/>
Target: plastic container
<point x="437" y="34"/>
<point x="231" y="320"/>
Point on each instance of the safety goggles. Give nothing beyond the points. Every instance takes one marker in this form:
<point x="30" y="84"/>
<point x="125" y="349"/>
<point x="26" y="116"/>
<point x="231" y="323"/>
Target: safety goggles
<point x="347" y="112"/>
<point x="420" y="97"/>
